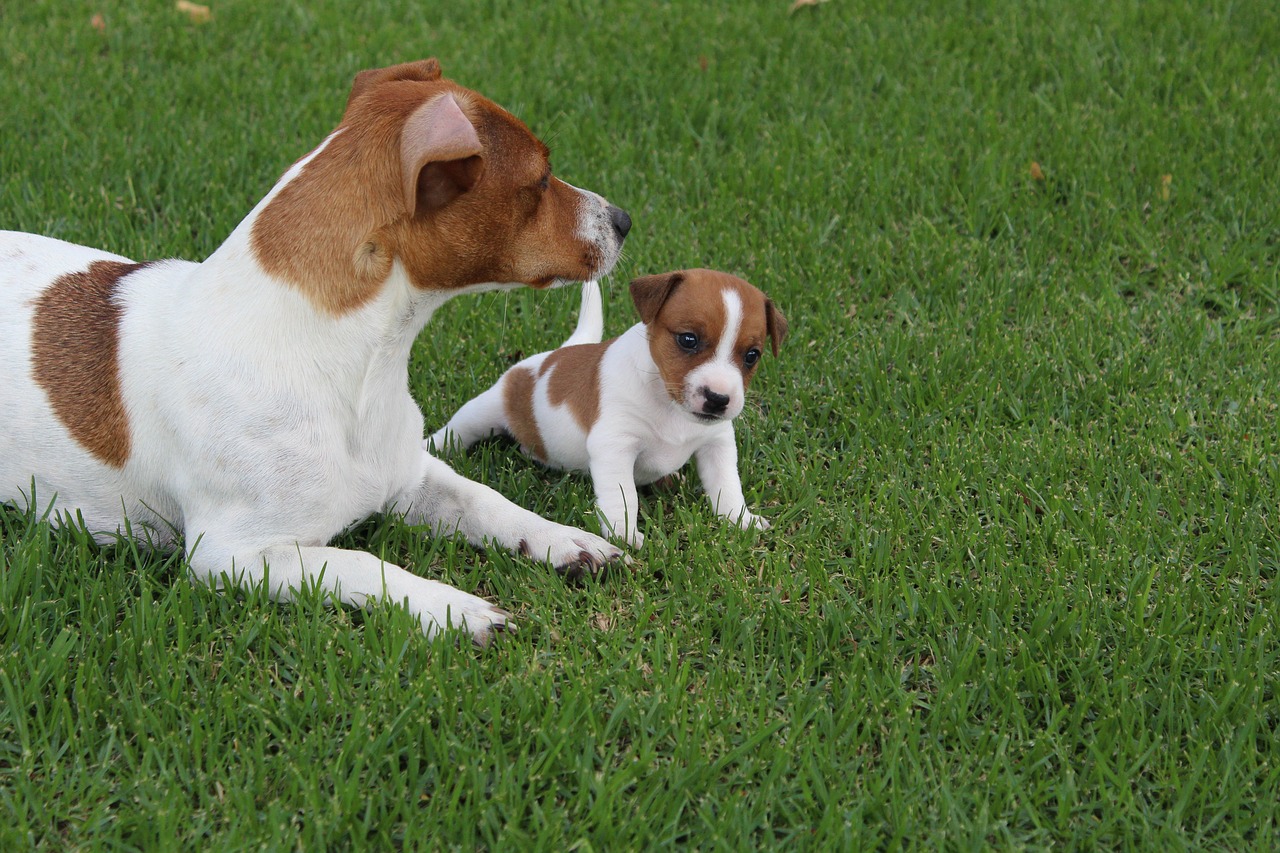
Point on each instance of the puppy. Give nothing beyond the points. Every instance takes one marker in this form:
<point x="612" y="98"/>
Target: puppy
<point x="256" y="404"/>
<point x="634" y="409"/>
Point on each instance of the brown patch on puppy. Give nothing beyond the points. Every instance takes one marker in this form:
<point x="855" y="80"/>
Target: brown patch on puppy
<point x="575" y="378"/>
<point x="517" y="400"/>
<point x="775" y="325"/>
<point x="680" y="303"/>
<point x="761" y="320"/>
<point x="75" y="352"/>
<point x="402" y="180"/>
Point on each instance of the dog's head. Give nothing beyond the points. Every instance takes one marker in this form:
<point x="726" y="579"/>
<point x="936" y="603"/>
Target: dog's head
<point x="438" y="179"/>
<point x="707" y="331"/>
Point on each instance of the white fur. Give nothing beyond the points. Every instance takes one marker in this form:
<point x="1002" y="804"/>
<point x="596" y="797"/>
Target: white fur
<point x="641" y="434"/>
<point x="261" y="427"/>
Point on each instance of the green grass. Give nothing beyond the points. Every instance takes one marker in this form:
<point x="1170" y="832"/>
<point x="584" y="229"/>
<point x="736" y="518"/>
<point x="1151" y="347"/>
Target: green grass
<point x="1021" y="450"/>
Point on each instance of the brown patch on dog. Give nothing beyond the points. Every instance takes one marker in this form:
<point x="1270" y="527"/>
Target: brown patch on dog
<point x="498" y="215"/>
<point x="575" y="379"/>
<point x="693" y="301"/>
<point x="75" y="351"/>
<point x="517" y="400"/>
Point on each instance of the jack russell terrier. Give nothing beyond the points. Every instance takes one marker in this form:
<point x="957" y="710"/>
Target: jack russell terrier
<point x="636" y="408"/>
<point x="257" y="404"/>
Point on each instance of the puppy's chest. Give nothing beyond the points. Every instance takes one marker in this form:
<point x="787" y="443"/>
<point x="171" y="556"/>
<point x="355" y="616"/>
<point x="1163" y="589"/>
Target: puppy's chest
<point x="661" y="440"/>
<point x="657" y="461"/>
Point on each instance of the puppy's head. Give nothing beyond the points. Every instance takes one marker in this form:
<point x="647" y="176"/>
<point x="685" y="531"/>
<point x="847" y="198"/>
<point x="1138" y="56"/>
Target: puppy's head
<point x="424" y="173"/>
<point x="707" y="331"/>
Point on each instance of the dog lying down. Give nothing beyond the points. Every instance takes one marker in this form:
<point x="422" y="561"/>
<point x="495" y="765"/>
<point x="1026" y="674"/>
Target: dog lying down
<point x="636" y="408"/>
<point x="253" y="406"/>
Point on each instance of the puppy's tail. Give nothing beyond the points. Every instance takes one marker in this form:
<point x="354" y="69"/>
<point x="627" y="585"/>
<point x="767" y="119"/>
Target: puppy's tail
<point x="590" y="328"/>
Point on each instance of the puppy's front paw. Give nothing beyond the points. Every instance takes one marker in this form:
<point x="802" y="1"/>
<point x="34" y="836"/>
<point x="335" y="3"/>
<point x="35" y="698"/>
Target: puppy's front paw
<point x="440" y="443"/>
<point x="573" y="552"/>
<point x="759" y="522"/>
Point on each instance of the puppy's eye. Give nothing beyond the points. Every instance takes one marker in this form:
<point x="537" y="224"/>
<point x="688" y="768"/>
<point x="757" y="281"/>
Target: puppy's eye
<point x="545" y="182"/>
<point x="687" y="341"/>
<point x="752" y="356"/>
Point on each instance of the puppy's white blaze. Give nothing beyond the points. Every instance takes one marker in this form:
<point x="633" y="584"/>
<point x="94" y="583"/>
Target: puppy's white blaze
<point x="732" y="325"/>
<point x="721" y="373"/>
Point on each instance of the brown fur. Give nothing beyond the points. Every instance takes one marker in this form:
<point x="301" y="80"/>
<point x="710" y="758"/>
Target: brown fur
<point x="691" y="301"/>
<point x="75" y="352"/>
<point x="575" y="378"/>
<point x="517" y="401"/>
<point x="335" y="229"/>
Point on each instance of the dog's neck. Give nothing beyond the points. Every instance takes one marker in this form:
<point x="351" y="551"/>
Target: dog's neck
<point x="269" y="322"/>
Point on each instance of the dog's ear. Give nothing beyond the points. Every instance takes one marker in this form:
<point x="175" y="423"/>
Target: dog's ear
<point x="649" y="292"/>
<point x="425" y="70"/>
<point x="439" y="154"/>
<point x="775" y="325"/>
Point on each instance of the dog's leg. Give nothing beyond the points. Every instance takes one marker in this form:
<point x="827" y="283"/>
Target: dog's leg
<point x="479" y="418"/>
<point x="717" y="462"/>
<point x="352" y="577"/>
<point x="614" y="479"/>
<point x="450" y="503"/>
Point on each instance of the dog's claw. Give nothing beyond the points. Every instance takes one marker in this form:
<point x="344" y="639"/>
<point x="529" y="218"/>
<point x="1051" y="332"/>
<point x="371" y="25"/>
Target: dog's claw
<point x="485" y="636"/>
<point x="589" y="563"/>
<point x="574" y="553"/>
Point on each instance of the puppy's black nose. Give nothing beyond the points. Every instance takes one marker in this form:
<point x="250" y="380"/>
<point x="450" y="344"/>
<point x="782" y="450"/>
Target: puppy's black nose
<point x="620" y="220"/>
<point x="715" y="403"/>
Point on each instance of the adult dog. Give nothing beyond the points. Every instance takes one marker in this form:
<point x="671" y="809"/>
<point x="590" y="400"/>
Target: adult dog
<point x="256" y="404"/>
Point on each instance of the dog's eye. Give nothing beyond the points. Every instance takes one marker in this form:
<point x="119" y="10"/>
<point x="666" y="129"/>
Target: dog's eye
<point x="752" y="356"/>
<point x="545" y="183"/>
<point x="687" y="341"/>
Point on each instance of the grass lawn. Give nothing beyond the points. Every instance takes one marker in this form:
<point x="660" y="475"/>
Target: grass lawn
<point x="1021" y="451"/>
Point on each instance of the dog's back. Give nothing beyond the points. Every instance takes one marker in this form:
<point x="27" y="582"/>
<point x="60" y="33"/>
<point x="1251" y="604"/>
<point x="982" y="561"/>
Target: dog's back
<point x="64" y="428"/>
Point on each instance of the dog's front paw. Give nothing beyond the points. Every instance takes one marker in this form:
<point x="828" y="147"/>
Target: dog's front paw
<point x="748" y="521"/>
<point x="573" y="552"/>
<point x="440" y="607"/>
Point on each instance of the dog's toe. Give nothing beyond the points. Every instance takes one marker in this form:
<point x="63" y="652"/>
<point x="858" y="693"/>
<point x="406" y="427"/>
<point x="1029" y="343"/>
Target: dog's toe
<point x="594" y="562"/>
<point x="500" y="623"/>
<point x="573" y="552"/>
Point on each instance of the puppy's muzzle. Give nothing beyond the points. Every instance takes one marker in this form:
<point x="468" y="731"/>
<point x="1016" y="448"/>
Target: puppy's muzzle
<point x="713" y="403"/>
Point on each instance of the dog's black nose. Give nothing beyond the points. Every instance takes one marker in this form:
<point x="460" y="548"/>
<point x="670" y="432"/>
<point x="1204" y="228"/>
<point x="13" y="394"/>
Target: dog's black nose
<point x="620" y="220"/>
<point x="715" y="403"/>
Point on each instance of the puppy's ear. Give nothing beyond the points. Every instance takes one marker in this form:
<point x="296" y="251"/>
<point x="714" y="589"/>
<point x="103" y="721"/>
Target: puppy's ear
<point x="425" y="70"/>
<point x="651" y="291"/>
<point x="775" y="325"/>
<point x="439" y="154"/>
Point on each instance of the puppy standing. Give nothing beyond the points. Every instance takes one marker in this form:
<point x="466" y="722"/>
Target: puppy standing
<point x="636" y="408"/>
<point x="258" y="403"/>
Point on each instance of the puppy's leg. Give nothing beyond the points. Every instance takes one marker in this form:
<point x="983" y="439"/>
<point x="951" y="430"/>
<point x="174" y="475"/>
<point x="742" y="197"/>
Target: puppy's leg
<point x="614" y="478"/>
<point x="479" y="418"/>
<point x="450" y="503"/>
<point x="717" y="462"/>
<point x="352" y="577"/>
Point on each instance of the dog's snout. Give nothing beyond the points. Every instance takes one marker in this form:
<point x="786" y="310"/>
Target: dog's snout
<point x="715" y="403"/>
<point x="620" y="220"/>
